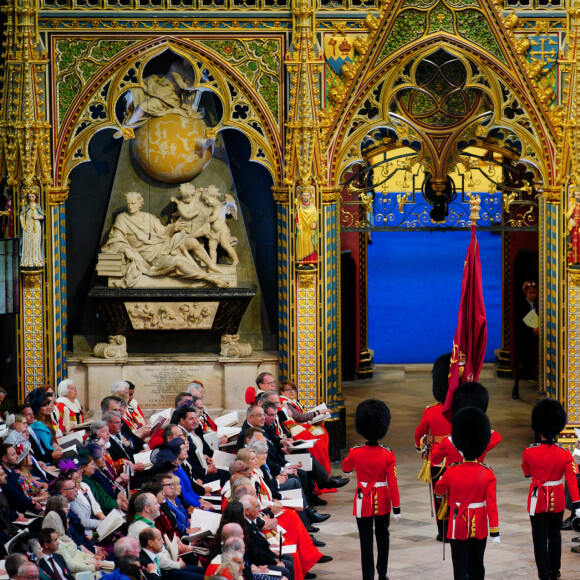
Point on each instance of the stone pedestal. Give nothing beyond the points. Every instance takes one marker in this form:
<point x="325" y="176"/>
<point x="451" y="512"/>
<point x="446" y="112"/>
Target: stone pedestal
<point x="158" y="378"/>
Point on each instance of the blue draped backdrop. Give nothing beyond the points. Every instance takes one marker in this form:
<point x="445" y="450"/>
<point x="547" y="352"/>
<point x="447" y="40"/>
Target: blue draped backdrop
<point x="414" y="281"/>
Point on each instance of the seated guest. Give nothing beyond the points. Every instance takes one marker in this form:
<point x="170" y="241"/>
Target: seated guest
<point x="78" y="559"/>
<point x="173" y="432"/>
<point x="52" y="564"/>
<point x="151" y="542"/>
<point x="7" y="516"/>
<point x="41" y="454"/>
<point x="293" y="417"/>
<point x="175" y="452"/>
<point x="103" y="479"/>
<point x="68" y="489"/>
<point x="70" y="412"/>
<point x="127" y="546"/>
<point x="172" y="506"/>
<point x="133" y="407"/>
<point x="145" y="508"/>
<point x="100" y="434"/>
<point x="85" y="506"/>
<point x="27" y="571"/>
<point x="43" y="426"/>
<point x="31" y="485"/>
<point x="181" y="400"/>
<point x="199" y="457"/>
<point x="258" y="550"/>
<point x="13" y="562"/>
<point x="17" y="499"/>
<point x="197" y="389"/>
<point x="121" y="449"/>
<point x="121" y="389"/>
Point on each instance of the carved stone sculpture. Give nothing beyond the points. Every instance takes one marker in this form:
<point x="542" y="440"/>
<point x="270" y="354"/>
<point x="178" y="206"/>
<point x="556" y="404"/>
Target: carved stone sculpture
<point x="150" y="249"/>
<point x="31" y="217"/>
<point x="232" y="347"/>
<point x="115" y="348"/>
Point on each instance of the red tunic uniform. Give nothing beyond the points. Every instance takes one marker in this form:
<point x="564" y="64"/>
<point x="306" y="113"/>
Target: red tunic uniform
<point x="548" y="465"/>
<point x="376" y="480"/>
<point x="433" y="424"/>
<point x="472" y="501"/>
<point x="446" y="451"/>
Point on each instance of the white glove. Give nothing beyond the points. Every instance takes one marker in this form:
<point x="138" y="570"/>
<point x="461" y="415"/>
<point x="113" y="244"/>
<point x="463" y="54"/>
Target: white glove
<point x="496" y="541"/>
<point x="397" y="517"/>
<point x="577" y="513"/>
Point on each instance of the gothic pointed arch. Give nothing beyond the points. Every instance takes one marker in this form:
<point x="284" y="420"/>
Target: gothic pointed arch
<point x="90" y="86"/>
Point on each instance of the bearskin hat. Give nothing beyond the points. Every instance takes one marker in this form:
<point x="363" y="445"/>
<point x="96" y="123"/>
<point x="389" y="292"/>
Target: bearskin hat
<point x="440" y="374"/>
<point x="548" y="418"/>
<point x="471" y="432"/>
<point x="372" y="419"/>
<point x="470" y="395"/>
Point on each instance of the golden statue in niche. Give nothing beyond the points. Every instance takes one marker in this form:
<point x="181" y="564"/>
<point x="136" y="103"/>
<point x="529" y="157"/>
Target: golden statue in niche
<point x="306" y="230"/>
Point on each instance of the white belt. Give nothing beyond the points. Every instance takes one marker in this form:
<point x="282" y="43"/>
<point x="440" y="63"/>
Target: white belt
<point x="553" y="483"/>
<point x="471" y="506"/>
<point x="359" y="500"/>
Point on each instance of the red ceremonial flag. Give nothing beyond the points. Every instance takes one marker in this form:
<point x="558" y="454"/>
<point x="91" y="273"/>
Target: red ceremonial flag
<point x="470" y="338"/>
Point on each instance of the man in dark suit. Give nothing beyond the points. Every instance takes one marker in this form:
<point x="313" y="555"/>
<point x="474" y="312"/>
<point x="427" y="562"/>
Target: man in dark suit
<point x="17" y="499"/>
<point x="199" y="456"/>
<point x="151" y="544"/>
<point x="258" y="551"/>
<point x="51" y="563"/>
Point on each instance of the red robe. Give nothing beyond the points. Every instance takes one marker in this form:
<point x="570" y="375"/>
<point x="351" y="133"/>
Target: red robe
<point x="549" y="464"/>
<point x="376" y="480"/>
<point x="446" y="451"/>
<point x="309" y="432"/>
<point x="471" y="499"/>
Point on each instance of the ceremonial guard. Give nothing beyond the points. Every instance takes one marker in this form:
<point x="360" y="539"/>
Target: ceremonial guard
<point x="432" y="429"/>
<point x="376" y="487"/>
<point x="548" y="464"/>
<point x="467" y="395"/>
<point x="470" y="490"/>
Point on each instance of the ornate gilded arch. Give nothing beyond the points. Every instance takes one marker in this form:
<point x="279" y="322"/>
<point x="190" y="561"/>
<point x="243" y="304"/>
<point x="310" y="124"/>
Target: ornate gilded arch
<point x="91" y="75"/>
<point x="511" y="108"/>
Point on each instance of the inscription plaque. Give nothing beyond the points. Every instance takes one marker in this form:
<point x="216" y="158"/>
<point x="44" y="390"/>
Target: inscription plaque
<point x="157" y="385"/>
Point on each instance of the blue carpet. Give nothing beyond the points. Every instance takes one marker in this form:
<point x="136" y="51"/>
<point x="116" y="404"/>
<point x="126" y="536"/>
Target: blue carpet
<point x="414" y="290"/>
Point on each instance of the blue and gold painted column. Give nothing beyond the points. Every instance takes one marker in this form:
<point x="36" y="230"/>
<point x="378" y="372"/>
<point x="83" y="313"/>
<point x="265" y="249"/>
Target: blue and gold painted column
<point x="25" y="168"/>
<point x="549" y="276"/>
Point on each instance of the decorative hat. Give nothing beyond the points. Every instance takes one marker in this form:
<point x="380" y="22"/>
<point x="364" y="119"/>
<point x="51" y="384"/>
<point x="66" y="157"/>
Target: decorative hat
<point x="66" y="465"/>
<point x="548" y="418"/>
<point x="21" y="445"/>
<point x="440" y="374"/>
<point x="94" y="449"/>
<point x="372" y="419"/>
<point x="84" y="456"/>
<point x="168" y="452"/>
<point x="250" y="396"/>
<point x="470" y="395"/>
<point x="470" y="432"/>
<point x="35" y="399"/>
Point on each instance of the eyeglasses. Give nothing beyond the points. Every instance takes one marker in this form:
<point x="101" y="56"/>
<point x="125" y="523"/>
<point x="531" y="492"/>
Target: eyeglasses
<point x="68" y="488"/>
<point x="168" y="485"/>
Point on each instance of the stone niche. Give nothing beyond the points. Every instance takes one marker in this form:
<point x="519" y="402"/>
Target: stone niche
<point x="158" y="378"/>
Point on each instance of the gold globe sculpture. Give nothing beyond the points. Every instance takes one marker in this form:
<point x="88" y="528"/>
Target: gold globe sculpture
<point x="172" y="148"/>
